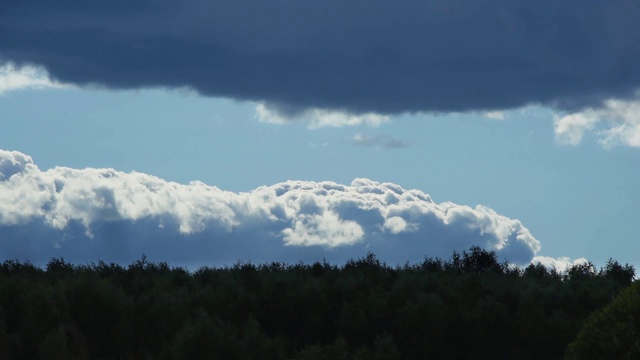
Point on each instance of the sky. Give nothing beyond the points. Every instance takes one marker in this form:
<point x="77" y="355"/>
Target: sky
<point x="206" y="133"/>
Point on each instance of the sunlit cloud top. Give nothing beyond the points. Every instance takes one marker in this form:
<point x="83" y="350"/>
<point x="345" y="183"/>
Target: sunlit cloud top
<point x="92" y="214"/>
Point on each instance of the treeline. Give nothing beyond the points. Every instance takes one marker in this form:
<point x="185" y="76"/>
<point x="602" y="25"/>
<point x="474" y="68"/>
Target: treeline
<point x="468" y="307"/>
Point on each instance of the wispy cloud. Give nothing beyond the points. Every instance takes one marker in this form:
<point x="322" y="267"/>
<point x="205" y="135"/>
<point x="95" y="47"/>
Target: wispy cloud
<point x="103" y="214"/>
<point x="14" y="78"/>
<point x="317" y="118"/>
<point x="379" y="141"/>
<point x="616" y="123"/>
<point x="495" y="115"/>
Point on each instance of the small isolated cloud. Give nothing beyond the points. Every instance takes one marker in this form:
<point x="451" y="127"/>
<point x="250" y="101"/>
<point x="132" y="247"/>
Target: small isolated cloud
<point x="317" y="118"/>
<point x="616" y="123"/>
<point x="494" y="115"/>
<point x="102" y="214"/>
<point x="560" y="264"/>
<point x="26" y="77"/>
<point x="379" y="141"/>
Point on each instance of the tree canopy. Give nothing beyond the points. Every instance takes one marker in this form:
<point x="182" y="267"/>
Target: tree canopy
<point x="470" y="306"/>
<point x="612" y="332"/>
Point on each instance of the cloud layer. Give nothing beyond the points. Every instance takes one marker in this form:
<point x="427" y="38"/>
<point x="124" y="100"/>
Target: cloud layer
<point x="101" y="214"/>
<point x="355" y="57"/>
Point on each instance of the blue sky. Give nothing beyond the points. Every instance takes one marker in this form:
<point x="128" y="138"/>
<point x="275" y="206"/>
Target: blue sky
<point x="563" y="161"/>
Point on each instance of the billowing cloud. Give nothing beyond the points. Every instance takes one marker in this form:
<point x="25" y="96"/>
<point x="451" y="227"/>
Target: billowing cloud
<point x="615" y="123"/>
<point x="379" y="141"/>
<point x="355" y="57"/>
<point x="103" y="214"/>
<point x="13" y="162"/>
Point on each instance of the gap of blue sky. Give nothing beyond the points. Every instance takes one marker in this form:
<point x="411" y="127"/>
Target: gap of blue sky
<point x="577" y="200"/>
<point x="529" y="109"/>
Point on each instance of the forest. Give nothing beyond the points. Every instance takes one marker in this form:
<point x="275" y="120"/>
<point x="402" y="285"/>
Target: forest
<point x="471" y="306"/>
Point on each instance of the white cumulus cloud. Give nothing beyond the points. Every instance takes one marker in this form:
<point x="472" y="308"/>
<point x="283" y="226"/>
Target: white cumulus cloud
<point x="617" y="122"/>
<point x="25" y="77"/>
<point x="560" y="264"/>
<point x="396" y="225"/>
<point x="103" y="214"/>
<point x="13" y="162"/>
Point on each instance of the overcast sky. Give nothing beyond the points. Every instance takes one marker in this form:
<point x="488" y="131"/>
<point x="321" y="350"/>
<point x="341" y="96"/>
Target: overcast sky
<point x="210" y="132"/>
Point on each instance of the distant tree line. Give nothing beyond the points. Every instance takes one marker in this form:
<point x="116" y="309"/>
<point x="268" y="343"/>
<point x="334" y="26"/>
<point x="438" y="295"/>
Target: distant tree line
<point x="468" y="307"/>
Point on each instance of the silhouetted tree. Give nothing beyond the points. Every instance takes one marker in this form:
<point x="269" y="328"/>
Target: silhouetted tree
<point x="470" y="306"/>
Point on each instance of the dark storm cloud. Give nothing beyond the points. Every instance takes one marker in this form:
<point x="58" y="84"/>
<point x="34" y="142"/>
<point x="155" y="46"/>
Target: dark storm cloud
<point x="354" y="56"/>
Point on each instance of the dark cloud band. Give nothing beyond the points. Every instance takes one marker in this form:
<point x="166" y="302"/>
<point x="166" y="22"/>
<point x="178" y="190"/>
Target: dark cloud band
<point x="354" y="56"/>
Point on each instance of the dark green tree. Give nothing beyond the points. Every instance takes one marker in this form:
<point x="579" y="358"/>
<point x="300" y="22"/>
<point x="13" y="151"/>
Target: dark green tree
<point x="613" y="332"/>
